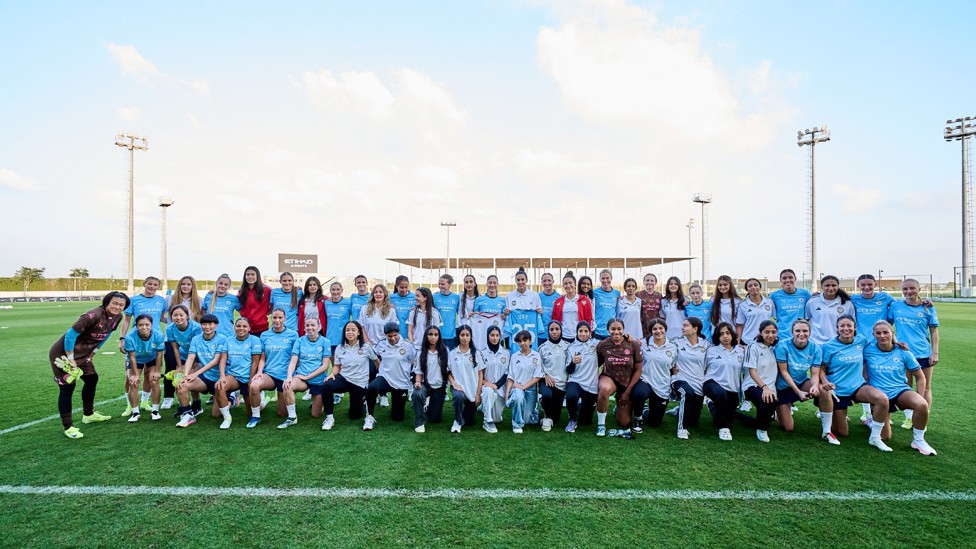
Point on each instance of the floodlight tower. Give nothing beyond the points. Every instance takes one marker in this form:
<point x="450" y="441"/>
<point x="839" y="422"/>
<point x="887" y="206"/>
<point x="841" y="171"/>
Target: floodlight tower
<point x="703" y="199"/>
<point x="448" y="225"/>
<point x="961" y="129"/>
<point x="164" y="203"/>
<point x="690" y="225"/>
<point x="811" y="137"/>
<point x="133" y="144"/>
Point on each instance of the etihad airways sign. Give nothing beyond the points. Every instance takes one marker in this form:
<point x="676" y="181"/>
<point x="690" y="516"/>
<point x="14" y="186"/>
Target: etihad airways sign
<point x="298" y="263"/>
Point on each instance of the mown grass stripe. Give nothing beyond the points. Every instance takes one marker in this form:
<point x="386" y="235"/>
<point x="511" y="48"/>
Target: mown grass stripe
<point x="54" y="416"/>
<point x="489" y="494"/>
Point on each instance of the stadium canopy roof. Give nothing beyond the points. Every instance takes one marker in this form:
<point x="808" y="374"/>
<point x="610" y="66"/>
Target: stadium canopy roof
<point x="439" y="263"/>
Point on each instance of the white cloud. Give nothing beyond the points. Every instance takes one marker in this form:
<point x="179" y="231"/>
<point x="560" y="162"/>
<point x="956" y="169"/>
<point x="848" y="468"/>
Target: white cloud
<point x="10" y="179"/>
<point x="616" y="63"/>
<point x="856" y="200"/>
<point x="134" y="64"/>
<point x="127" y="114"/>
<point x="364" y="93"/>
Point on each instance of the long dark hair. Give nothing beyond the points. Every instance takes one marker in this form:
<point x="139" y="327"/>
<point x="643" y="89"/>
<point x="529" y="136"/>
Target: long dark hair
<point x="844" y="296"/>
<point x="441" y="353"/>
<point x="361" y="338"/>
<point x="466" y="328"/>
<point x="318" y="293"/>
<point x="717" y="300"/>
<point x="716" y="335"/>
<point x="680" y="296"/>
<point x="465" y="293"/>
<point x="428" y="306"/>
<point x="589" y="293"/>
<point x="246" y="288"/>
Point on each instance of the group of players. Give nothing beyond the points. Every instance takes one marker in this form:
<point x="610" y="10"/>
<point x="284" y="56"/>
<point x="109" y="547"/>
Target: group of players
<point x="579" y="349"/>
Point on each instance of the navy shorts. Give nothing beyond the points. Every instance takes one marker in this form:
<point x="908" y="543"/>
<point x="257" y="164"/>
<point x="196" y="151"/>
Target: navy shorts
<point x="845" y="402"/>
<point x="786" y="396"/>
<point x="316" y="390"/>
<point x="924" y="362"/>
<point x="278" y="383"/>
<point x="892" y="407"/>
<point x="150" y="364"/>
<point x="211" y="385"/>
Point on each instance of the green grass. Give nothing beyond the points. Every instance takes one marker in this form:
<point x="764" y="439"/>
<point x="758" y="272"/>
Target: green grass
<point x="116" y="453"/>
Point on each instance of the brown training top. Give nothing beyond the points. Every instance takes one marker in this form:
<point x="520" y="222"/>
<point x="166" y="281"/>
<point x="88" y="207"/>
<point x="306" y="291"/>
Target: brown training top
<point x="619" y="360"/>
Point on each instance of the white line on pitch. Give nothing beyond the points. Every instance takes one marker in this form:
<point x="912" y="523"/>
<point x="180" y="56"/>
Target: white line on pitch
<point x="55" y="416"/>
<point x="450" y="493"/>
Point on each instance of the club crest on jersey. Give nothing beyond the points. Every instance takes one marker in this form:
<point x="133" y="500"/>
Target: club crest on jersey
<point x="858" y="347"/>
<point x="767" y="307"/>
<point x="513" y="303"/>
<point x="920" y="314"/>
<point x="403" y="352"/>
<point x="626" y="352"/>
<point x="878" y="302"/>
<point x="535" y="361"/>
<point x="494" y="323"/>
<point x="360" y="350"/>
<point x="504" y="360"/>
<point x="896" y="359"/>
<point x="840" y="310"/>
<point x="667" y="353"/>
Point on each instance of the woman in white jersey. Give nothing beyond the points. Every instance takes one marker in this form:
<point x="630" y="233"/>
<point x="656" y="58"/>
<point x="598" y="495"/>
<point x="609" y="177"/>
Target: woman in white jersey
<point x="465" y="374"/>
<point x="377" y="312"/>
<point x="759" y="383"/>
<point x="430" y="380"/>
<point x="690" y="375"/>
<point x="753" y="311"/>
<point x="470" y="295"/>
<point x="723" y="374"/>
<point x="553" y="388"/>
<point x="824" y="309"/>
<point x="582" y="385"/>
<point x="725" y="301"/>
<point x="424" y="314"/>
<point x="673" y="307"/>
<point x="629" y="310"/>
<point x="396" y="356"/>
<point x="495" y="359"/>
<point x="350" y="373"/>
<point x="654" y="387"/>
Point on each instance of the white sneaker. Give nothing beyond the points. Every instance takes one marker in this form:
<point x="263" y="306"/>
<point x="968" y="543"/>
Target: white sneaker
<point x="167" y="404"/>
<point x="763" y="436"/>
<point x="571" y="426"/>
<point x="830" y="438"/>
<point x="879" y="444"/>
<point x="683" y="434"/>
<point x="724" y="434"/>
<point x="134" y="417"/>
<point x="226" y="423"/>
<point x="672" y="411"/>
<point x="517" y="430"/>
<point x="308" y="396"/>
<point x="746" y="406"/>
<point x="490" y="427"/>
<point x="456" y="428"/>
<point x="369" y="423"/>
<point x="385" y="401"/>
<point x="420" y="429"/>
<point x="186" y="420"/>
<point x="923" y="447"/>
<point x="328" y="423"/>
<point x="155" y="416"/>
<point x="546" y="424"/>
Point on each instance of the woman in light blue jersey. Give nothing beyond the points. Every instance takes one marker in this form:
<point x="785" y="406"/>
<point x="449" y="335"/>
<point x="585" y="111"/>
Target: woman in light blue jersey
<point x="843" y="376"/>
<point x="547" y="297"/>
<point x="403" y="301"/>
<point x="918" y="326"/>
<point x="311" y="357"/>
<point x="359" y="299"/>
<point x="699" y="308"/>
<point x="222" y="304"/>
<point x="276" y="345"/>
<point x="144" y="348"/>
<point x="886" y="365"/>
<point x="287" y="298"/>
<point x="798" y="360"/>
<point x="605" y="300"/>
<point x="179" y="333"/>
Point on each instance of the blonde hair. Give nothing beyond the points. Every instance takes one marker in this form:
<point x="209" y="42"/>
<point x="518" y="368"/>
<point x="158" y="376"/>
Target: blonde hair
<point x="371" y="303"/>
<point x="196" y="308"/>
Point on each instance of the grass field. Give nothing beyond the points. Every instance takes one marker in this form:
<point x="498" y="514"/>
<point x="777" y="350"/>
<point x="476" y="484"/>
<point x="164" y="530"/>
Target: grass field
<point x="394" y="487"/>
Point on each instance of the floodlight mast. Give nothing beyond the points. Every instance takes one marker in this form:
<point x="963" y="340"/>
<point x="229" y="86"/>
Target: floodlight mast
<point x="811" y="137"/>
<point x="164" y="203"/>
<point x="448" y="225"/>
<point x="961" y="129"/>
<point x="133" y="144"/>
<point x="690" y="225"/>
<point x="703" y="199"/>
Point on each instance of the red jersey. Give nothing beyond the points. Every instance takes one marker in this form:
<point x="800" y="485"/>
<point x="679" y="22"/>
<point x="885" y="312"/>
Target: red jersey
<point x="256" y="310"/>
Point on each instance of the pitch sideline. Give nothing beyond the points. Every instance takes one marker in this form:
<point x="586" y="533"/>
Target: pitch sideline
<point x="54" y="416"/>
<point x="490" y="494"/>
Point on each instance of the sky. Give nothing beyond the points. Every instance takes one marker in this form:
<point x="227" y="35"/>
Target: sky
<point x="548" y="129"/>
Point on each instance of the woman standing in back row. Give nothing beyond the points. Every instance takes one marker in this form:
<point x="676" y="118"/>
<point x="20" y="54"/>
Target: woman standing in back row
<point x="255" y="299"/>
<point x="650" y="303"/>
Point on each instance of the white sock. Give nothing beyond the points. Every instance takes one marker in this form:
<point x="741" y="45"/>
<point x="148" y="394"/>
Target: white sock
<point x="876" y="427"/>
<point x="155" y="407"/>
<point x="601" y="418"/>
<point x="866" y="407"/>
<point x="255" y="411"/>
<point x="825" y="421"/>
<point x="909" y="414"/>
<point x="225" y="411"/>
<point x="291" y="411"/>
<point x="143" y="396"/>
<point x="918" y="434"/>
